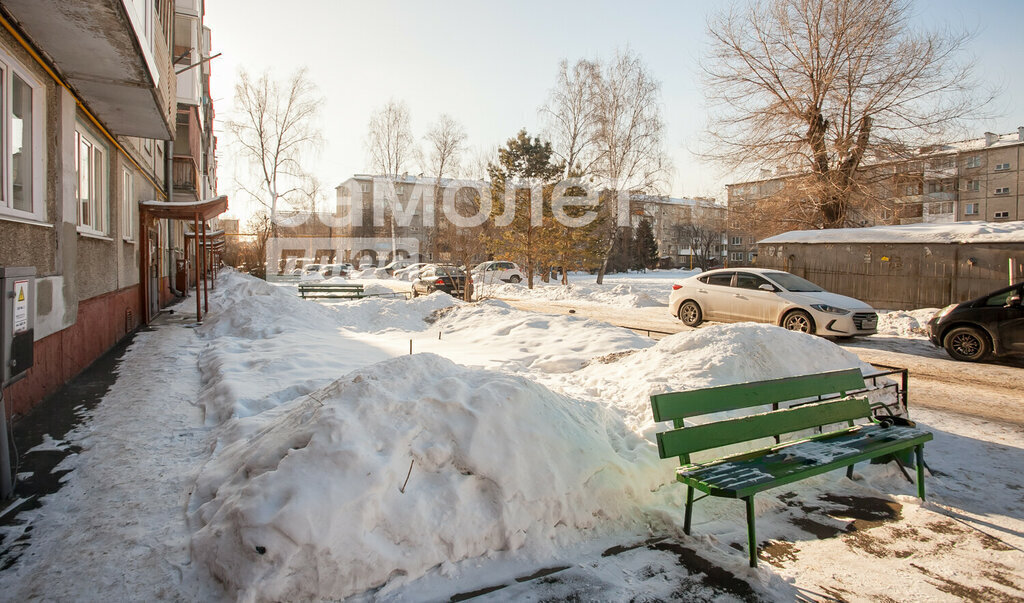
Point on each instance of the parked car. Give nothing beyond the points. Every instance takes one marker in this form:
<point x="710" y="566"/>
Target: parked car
<point x="494" y="272"/>
<point x="409" y="273"/>
<point x="992" y="324"/>
<point x="333" y="270"/>
<point x="771" y="296"/>
<point x="397" y="265"/>
<point x="311" y="268"/>
<point x="433" y="277"/>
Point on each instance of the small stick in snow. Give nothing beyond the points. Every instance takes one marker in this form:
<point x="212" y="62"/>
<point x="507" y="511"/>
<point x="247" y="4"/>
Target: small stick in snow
<point x="410" y="346"/>
<point x="402" y="489"/>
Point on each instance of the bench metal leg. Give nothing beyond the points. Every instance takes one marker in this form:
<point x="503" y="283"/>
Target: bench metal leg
<point x="849" y="471"/>
<point x="689" y="509"/>
<point x="919" y="450"/>
<point x="751" y="536"/>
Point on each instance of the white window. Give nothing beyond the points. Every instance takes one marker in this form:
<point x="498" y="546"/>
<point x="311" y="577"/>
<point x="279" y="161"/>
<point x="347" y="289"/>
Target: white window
<point x="973" y="185"/>
<point x="1002" y="167"/>
<point x="127" y="205"/>
<point x="147" y="146"/>
<point x="974" y="161"/>
<point x="21" y="141"/>
<point x="736" y="241"/>
<point x="736" y="256"/>
<point x="1003" y="190"/>
<point x="364" y="186"/>
<point x="1002" y="214"/>
<point x="91" y="184"/>
<point x="971" y="209"/>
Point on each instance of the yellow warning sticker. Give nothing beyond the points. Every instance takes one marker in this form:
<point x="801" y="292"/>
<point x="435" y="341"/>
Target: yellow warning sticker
<point x="20" y="307"/>
<point x="21" y="294"/>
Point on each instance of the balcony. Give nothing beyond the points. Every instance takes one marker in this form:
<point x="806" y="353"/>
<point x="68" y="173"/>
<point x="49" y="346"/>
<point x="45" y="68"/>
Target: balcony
<point x="113" y="53"/>
<point x="185" y="177"/>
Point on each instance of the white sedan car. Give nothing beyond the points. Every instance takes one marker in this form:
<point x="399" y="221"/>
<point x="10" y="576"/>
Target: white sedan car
<point x="772" y="296"/>
<point x="498" y="272"/>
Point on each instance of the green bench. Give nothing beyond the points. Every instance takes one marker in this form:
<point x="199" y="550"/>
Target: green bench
<point x="341" y="291"/>
<point x="788" y="460"/>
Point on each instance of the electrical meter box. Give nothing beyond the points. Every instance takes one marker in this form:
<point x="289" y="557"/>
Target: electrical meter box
<point x="17" y="321"/>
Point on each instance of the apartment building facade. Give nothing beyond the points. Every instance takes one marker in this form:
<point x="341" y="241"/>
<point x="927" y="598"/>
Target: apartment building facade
<point x="671" y="219"/>
<point x="89" y="102"/>
<point x="972" y="180"/>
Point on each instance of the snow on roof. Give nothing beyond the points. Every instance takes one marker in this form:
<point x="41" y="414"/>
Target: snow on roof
<point x="958" y="232"/>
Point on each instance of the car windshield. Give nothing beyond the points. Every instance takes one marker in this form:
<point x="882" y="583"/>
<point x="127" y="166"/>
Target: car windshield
<point x="793" y="283"/>
<point x="480" y="267"/>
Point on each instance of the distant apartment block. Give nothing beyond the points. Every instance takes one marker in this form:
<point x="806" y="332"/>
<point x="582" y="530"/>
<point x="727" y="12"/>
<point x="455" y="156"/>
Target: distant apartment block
<point x="670" y="217"/>
<point x="970" y="180"/>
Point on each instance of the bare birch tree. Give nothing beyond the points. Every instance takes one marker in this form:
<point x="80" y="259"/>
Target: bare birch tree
<point x="446" y="141"/>
<point x="276" y="127"/>
<point x="570" y="116"/>
<point x="821" y="86"/>
<point x="391" y="148"/>
<point x="628" y="138"/>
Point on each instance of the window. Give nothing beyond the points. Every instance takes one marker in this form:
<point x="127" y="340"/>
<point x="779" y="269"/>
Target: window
<point x="973" y="185"/>
<point x="1002" y="214"/>
<point x="1002" y="167"/>
<point x="127" y="205"/>
<point x="364" y="186"/>
<point x="736" y="256"/>
<point x="722" y="279"/>
<point x="21" y="145"/>
<point x="745" y="280"/>
<point x="736" y="241"/>
<point x="147" y="146"/>
<point x="974" y="161"/>
<point x="971" y="209"/>
<point x="1003" y="190"/>
<point x="91" y="185"/>
<point x="942" y="208"/>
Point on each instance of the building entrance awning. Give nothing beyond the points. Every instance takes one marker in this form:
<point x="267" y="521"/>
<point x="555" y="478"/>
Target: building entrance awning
<point x="185" y="210"/>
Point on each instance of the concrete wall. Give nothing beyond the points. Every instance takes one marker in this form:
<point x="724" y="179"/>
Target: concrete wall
<point x="899" y="276"/>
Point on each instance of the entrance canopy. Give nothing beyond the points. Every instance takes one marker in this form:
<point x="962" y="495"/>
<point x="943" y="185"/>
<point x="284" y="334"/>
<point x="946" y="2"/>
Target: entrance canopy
<point x="186" y="210"/>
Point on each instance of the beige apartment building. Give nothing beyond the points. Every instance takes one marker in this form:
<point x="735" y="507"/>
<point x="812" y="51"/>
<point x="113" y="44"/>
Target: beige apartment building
<point x="971" y="180"/>
<point x="670" y="218"/>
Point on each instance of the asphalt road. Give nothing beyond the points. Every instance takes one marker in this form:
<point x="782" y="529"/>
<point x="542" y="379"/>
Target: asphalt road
<point x="992" y="391"/>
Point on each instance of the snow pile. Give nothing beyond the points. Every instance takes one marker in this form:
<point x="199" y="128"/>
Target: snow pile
<point x="623" y="295"/>
<point x="311" y="277"/>
<point x="708" y="357"/>
<point x="902" y="323"/>
<point x="244" y="306"/>
<point x="319" y="502"/>
<point x="495" y="335"/>
<point x="371" y="273"/>
<point x="375" y="289"/>
<point x="380" y="314"/>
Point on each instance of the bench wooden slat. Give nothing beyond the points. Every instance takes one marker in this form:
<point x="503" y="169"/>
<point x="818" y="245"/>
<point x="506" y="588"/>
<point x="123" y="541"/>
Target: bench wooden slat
<point x="683" y="441"/>
<point x="787" y="464"/>
<point x="681" y="405"/>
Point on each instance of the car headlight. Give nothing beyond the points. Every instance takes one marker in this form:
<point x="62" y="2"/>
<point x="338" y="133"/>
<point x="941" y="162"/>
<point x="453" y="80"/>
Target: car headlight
<point x="943" y="312"/>
<point x="829" y="309"/>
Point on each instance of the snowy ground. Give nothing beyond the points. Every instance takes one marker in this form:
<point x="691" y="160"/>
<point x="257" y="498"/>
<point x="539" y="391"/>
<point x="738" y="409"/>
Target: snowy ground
<point x="288" y="449"/>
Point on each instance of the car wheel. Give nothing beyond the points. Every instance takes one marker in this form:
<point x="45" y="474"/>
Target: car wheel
<point x="798" y="320"/>
<point x="690" y="314"/>
<point x="966" y="343"/>
<point x="515" y="280"/>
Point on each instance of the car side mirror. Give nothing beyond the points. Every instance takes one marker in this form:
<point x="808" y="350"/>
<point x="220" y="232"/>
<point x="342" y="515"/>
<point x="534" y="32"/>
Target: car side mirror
<point x="766" y="287"/>
<point x="1013" y="300"/>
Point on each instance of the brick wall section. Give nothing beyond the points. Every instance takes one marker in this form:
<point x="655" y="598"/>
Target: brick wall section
<point x="102" y="322"/>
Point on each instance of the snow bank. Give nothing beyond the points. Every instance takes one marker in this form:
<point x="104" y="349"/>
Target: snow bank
<point x="708" y="357"/>
<point x="315" y="504"/>
<point x="901" y="323"/>
<point x="623" y="295"/>
<point x="245" y="306"/>
<point x="495" y="335"/>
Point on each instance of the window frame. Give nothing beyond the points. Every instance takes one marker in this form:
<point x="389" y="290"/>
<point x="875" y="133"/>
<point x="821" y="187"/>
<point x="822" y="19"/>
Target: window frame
<point x="101" y="197"/>
<point x="1001" y="214"/>
<point x="973" y="161"/>
<point x="128" y="206"/>
<point x="1003" y="167"/>
<point x="1002" y="190"/>
<point x="968" y="206"/>
<point x="9" y="67"/>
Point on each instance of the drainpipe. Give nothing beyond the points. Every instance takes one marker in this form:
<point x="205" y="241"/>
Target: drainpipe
<point x="169" y="189"/>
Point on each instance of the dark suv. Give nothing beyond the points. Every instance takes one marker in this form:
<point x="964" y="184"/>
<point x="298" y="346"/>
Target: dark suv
<point x="992" y="324"/>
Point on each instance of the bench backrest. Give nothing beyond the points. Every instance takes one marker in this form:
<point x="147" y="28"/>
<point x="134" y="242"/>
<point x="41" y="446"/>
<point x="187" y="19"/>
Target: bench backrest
<point x="677" y="406"/>
<point x="329" y="287"/>
<point x="683" y="441"/>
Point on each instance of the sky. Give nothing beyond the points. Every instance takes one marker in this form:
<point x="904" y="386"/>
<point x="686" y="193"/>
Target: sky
<point x="491" y="66"/>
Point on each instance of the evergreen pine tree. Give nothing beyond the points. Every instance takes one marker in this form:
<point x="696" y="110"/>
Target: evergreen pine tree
<point x="645" y="247"/>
